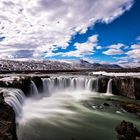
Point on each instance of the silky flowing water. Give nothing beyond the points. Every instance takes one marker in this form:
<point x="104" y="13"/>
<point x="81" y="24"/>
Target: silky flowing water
<point x="67" y="111"/>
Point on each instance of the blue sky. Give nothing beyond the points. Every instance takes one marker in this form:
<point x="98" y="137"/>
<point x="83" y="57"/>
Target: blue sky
<point x="60" y="30"/>
<point x="124" y="30"/>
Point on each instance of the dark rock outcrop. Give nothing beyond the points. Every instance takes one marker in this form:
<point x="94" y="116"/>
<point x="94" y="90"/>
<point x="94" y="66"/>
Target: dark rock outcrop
<point x="7" y="121"/>
<point x="127" y="86"/>
<point x="106" y="104"/>
<point x="102" y="84"/>
<point x="124" y="86"/>
<point x="38" y="82"/>
<point x="131" y="107"/>
<point x="23" y="84"/>
<point x="127" y="131"/>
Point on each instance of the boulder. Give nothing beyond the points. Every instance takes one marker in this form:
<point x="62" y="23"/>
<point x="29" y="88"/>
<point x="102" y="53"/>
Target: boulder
<point x="127" y="131"/>
<point x="106" y="104"/>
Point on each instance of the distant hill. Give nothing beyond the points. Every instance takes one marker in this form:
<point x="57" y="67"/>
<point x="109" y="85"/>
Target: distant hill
<point x="12" y="65"/>
<point x="86" y="64"/>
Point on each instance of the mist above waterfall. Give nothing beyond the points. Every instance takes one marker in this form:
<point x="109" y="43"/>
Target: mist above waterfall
<point x="61" y="88"/>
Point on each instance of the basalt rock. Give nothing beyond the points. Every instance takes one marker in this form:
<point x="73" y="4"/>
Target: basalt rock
<point x="127" y="131"/>
<point x="7" y="121"/>
<point x="126" y="86"/>
<point x="22" y="83"/>
<point x="131" y="107"/>
<point x="38" y="82"/>
<point x="102" y="84"/>
<point x="106" y="104"/>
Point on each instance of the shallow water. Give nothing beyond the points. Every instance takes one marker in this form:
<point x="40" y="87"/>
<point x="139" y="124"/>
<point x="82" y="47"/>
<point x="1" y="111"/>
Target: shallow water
<point x="71" y="115"/>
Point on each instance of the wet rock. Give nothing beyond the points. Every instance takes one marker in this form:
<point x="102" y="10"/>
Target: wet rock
<point x="38" y="82"/>
<point x="22" y="83"/>
<point x="127" y="106"/>
<point x="126" y="86"/>
<point x="106" y="104"/>
<point x="7" y="121"/>
<point x="127" y="131"/>
<point x="102" y="84"/>
<point x="131" y="107"/>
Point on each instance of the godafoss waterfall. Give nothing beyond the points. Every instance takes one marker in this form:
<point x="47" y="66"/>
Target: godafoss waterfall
<point x="72" y="107"/>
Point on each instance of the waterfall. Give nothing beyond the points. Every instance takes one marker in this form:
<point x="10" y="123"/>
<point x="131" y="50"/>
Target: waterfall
<point x="65" y="84"/>
<point x="54" y="84"/>
<point x="15" y="98"/>
<point x="109" y="87"/>
<point x="33" y="89"/>
<point x="91" y="84"/>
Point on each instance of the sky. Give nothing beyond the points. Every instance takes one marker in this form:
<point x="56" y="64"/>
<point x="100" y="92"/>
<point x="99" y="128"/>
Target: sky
<point x="101" y="31"/>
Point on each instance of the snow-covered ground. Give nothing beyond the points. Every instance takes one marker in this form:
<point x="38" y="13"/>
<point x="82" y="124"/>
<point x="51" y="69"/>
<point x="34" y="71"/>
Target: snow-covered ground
<point x="9" y="65"/>
<point x="133" y="74"/>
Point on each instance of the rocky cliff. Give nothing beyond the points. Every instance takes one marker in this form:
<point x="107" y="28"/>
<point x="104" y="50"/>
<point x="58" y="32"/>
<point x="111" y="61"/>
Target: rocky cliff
<point x="126" y="86"/>
<point x="7" y="121"/>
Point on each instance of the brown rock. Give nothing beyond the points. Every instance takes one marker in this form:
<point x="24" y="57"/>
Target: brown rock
<point x="126" y="131"/>
<point x="126" y="86"/>
<point x="7" y="121"/>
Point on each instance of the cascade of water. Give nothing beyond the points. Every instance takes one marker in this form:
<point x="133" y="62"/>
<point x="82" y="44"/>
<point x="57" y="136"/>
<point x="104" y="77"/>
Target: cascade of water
<point x="69" y="83"/>
<point x="15" y="98"/>
<point x="33" y="89"/>
<point x="90" y="84"/>
<point x="109" y="87"/>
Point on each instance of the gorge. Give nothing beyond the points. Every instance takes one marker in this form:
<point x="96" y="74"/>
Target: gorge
<point x="61" y="107"/>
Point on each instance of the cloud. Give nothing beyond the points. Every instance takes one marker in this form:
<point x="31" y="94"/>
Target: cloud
<point x="113" y="52"/>
<point x="116" y="46"/>
<point x="93" y="39"/>
<point x="135" y="54"/>
<point x="98" y="47"/>
<point x="135" y="46"/>
<point x="82" y="49"/>
<point x="115" y="49"/>
<point x="49" y="24"/>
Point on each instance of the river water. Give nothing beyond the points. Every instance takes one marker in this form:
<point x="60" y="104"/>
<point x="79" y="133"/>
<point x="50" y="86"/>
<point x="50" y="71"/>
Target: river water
<point x="72" y="115"/>
<point x="70" y="108"/>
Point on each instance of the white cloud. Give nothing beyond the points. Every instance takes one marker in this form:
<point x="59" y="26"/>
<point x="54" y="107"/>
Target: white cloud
<point x="116" y="46"/>
<point x="115" y="49"/>
<point x="135" y="54"/>
<point x="46" y="25"/>
<point x="113" y="52"/>
<point x="98" y="47"/>
<point x="83" y="49"/>
<point x="135" y="46"/>
<point x="93" y="39"/>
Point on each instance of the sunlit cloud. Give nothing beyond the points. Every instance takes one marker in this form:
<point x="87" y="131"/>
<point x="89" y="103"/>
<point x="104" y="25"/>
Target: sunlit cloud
<point x="35" y="28"/>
